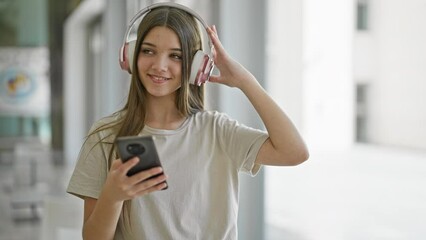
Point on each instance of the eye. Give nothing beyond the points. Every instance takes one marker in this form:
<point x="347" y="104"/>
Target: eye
<point x="176" y="56"/>
<point x="147" y="51"/>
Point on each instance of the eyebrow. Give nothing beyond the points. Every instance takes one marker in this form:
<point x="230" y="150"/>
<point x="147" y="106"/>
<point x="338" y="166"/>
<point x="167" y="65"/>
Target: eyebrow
<point x="153" y="45"/>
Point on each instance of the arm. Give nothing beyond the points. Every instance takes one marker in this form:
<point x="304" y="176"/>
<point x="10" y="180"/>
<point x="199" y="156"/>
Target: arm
<point x="100" y="218"/>
<point x="284" y="145"/>
<point x="101" y="215"/>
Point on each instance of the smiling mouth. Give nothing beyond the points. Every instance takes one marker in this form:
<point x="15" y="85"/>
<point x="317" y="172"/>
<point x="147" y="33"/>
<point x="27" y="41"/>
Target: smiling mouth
<point x="158" y="79"/>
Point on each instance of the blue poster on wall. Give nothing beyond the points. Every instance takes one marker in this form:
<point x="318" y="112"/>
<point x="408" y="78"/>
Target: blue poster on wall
<point x="17" y="85"/>
<point x="24" y="82"/>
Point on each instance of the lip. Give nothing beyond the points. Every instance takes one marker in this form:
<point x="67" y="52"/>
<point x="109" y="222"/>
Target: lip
<point x="158" y="79"/>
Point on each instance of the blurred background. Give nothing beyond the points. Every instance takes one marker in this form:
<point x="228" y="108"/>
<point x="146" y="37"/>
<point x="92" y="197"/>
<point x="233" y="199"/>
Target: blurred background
<point x="350" y="74"/>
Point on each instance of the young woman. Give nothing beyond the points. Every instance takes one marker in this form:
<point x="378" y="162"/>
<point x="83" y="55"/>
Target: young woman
<point x="202" y="152"/>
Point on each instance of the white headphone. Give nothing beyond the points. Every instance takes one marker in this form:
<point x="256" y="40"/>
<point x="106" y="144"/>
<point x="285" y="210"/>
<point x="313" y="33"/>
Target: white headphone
<point x="202" y="64"/>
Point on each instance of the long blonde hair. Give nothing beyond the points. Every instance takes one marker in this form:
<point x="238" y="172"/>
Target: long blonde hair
<point x="189" y="98"/>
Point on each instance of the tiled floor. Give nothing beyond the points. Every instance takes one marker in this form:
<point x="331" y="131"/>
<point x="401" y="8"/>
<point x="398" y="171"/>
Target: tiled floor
<point x="364" y="193"/>
<point x="55" y="218"/>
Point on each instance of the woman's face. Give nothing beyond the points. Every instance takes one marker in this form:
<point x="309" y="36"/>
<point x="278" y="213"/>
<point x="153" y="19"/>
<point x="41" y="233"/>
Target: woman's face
<point x="160" y="62"/>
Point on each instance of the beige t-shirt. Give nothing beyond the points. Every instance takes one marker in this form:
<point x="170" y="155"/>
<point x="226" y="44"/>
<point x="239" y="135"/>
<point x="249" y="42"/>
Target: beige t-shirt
<point x="202" y="159"/>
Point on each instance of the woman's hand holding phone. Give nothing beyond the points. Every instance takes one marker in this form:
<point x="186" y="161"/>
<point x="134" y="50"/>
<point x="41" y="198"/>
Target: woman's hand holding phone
<point x="120" y="187"/>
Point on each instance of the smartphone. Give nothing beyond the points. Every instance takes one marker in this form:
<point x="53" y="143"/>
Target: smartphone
<point x="142" y="147"/>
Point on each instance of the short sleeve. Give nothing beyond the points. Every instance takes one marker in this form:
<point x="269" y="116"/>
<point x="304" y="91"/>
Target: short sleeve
<point x="241" y="143"/>
<point x="249" y="166"/>
<point x="91" y="168"/>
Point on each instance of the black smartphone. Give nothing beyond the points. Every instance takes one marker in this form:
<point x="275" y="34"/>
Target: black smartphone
<point x="141" y="146"/>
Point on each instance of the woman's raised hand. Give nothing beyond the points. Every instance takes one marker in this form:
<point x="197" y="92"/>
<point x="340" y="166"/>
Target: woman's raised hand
<point x="232" y="73"/>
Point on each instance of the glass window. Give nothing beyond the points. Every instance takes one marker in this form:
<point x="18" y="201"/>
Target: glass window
<point x="361" y="112"/>
<point x="362" y="15"/>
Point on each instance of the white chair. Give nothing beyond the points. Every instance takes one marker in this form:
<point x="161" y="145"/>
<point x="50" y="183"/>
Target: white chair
<point x="31" y="167"/>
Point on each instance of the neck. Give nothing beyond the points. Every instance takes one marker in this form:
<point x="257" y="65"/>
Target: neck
<point x="163" y="114"/>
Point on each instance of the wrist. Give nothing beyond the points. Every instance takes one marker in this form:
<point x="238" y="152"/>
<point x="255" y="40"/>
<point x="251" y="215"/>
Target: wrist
<point x="110" y="198"/>
<point x="249" y="83"/>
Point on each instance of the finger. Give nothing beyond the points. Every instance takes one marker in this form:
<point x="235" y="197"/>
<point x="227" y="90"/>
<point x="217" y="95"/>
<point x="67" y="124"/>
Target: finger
<point x="143" y="175"/>
<point x="215" y="79"/>
<point x="116" y="164"/>
<point x="126" y="166"/>
<point x="157" y="187"/>
<point x="213" y="36"/>
<point x="152" y="184"/>
<point x="218" y="49"/>
<point x="154" y="181"/>
<point x="214" y="29"/>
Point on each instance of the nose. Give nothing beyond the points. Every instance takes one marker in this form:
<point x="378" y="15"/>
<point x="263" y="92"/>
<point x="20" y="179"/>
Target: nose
<point x="160" y="63"/>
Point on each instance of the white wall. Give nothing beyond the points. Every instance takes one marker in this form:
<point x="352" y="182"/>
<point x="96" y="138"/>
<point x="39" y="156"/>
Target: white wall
<point x="115" y="81"/>
<point x="112" y="89"/>
<point x="365" y="57"/>
<point x="284" y="63"/>
<point x="398" y="93"/>
<point x="328" y="86"/>
<point x="75" y="37"/>
<point x="242" y="31"/>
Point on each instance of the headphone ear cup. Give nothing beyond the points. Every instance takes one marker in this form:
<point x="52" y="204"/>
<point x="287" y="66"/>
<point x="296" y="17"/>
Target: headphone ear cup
<point x="130" y="54"/>
<point x="124" y="64"/>
<point x="201" y="68"/>
<point x="126" y="56"/>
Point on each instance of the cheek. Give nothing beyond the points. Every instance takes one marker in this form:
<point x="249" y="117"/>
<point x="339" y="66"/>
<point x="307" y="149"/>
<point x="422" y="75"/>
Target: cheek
<point x="177" y="69"/>
<point x="142" y="70"/>
<point x="142" y="64"/>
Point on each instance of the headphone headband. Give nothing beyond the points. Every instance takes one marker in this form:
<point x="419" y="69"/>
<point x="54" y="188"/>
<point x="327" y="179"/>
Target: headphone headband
<point x="146" y="10"/>
<point x="165" y="4"/>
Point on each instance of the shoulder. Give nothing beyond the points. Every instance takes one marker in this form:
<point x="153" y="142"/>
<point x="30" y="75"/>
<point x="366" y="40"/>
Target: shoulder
<point x="106" y="126"/>
<point x="105" y="121"/>
<point x="212" y="121"/>
<point x="212" y="115"/>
